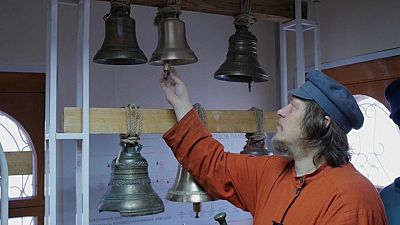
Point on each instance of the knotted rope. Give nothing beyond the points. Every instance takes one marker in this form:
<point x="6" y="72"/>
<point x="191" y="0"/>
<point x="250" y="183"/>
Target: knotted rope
<point x="245" y="18"/>
<point x="134" y="126"/>
<point x="202" y="113"/>
<point x="259" y="134"/>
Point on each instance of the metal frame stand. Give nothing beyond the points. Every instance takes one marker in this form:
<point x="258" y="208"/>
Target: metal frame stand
<point x="299" y="26"/>
<point x="4" y="187"/>
<point x="52" y="136"/>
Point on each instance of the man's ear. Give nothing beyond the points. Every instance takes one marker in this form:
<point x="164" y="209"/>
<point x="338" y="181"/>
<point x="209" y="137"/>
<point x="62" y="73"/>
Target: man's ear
<point x="327" y="121"/>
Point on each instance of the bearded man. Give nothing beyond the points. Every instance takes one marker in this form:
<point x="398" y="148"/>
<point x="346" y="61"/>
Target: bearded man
<point x="314" y="184"/>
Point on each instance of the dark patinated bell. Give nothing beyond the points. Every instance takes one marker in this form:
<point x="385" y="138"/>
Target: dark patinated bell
<point x="241" y="64"/>
<point x="129" y="190"/>
<point x="120" y="46"/>
<point x="255" y="145"/>
<point x="172" y="46"/>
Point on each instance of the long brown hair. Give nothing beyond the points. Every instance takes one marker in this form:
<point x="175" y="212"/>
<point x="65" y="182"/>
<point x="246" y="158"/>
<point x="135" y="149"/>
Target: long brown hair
<point x="331" y="140"/>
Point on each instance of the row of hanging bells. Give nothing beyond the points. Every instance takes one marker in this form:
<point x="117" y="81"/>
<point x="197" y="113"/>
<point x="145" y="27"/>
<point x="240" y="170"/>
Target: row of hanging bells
<point x="120" y="46"/>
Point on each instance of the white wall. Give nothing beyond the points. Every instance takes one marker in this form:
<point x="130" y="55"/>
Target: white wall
<point x="22" y="32"/>
<point x="352" y="28"/>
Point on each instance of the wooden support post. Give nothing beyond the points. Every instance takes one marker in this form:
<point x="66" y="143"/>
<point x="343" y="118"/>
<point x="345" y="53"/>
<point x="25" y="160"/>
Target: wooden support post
<point x="158" y="121"/>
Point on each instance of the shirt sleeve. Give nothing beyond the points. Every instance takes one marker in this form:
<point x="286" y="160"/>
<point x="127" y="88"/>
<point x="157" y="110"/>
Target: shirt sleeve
<point x="358" y="217"/>
<point x="229" y="176"/>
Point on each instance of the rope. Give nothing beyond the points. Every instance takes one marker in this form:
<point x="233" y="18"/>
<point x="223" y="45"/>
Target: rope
<point x="259" y="134"/>
<point x="202" y="113"/>
<point x="245" y="18"/>
<point x="134" y="126"/>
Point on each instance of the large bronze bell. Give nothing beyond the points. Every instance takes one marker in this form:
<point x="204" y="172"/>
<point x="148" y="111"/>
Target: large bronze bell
<point x="241" y="64"/>
<point x="129" y="190"/>
<point x="185" y="189"/>
<point x="172" y="47"/>
<point x="120" y="46"/>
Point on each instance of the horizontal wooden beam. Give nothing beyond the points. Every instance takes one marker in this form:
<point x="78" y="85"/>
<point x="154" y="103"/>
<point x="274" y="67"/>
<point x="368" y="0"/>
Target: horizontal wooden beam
<point x="271" y="10"/>
<point x="158" y="121"/>
<point x="19" y="163"/>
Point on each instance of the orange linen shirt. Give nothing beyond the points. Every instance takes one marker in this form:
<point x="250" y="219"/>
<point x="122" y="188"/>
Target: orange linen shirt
<point x="265" y="186"/>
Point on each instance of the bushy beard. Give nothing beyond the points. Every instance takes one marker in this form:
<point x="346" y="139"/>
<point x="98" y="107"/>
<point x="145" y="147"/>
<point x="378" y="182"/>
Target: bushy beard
<point x="281" y="147"/>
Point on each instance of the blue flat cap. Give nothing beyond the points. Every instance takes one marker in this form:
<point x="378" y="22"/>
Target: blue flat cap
<point x="334" y="98"/>
<point x="392" y="95"/>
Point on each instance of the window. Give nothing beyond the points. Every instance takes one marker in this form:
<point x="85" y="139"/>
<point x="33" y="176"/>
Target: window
<point x="14" y="138"/>
<point x="375" y="147"/>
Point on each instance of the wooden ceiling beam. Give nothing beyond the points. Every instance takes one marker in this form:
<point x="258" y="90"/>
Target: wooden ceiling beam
<point x="271" y="10"/>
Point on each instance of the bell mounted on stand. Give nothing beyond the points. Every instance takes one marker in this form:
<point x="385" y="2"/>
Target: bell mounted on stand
<point x="120" y="46"/>
<point x="172" y="47"/>
<point x="129" y="190"/>
<point x="255" y="144"/>
<point x="185" y="188"/>
<point x="241" y="64"/>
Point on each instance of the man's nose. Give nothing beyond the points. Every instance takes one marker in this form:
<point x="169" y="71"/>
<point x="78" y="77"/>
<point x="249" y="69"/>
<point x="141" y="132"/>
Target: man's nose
<point x="282" y="111"/>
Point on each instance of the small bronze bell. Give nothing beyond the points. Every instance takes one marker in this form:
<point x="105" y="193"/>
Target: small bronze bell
<point x="120" y="46"/>
<point x="241" y="64"/>
<point x="255" y="145"/>
<point x="185" y="189"/>
<point x="172" y="47"/>
<point x="129" y="190"/>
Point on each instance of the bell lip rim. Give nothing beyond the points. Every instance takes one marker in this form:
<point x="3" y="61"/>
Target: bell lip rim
<point x="106" y="61"/>
<point x="256" y="79"/>
<point x="173" y="62"/>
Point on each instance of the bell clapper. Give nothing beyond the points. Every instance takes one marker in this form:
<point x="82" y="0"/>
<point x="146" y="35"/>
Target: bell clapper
<point x="197" y="208"/>
<point x="167" y="68"/>
<point x="220" y="217"/>
<point x="249" y="87"/>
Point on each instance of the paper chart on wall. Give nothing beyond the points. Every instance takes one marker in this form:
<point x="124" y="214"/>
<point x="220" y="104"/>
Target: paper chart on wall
<point x="162" y="171"/>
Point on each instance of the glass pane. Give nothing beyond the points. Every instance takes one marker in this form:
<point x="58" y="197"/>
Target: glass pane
<point x="13" y="137"/>
<point x="374" y="147"/>
<point x="22" y="221"/>
<point x="20" y="186"/>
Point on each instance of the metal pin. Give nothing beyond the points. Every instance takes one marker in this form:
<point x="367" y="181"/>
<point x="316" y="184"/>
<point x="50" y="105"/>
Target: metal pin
<point x="167" y="68"/>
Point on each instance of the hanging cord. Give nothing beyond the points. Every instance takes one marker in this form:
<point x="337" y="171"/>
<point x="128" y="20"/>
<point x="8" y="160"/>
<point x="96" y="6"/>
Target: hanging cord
<point x="119" y="7"/>
<point x="259" y="134"/>
<point x="134" y="126"/>
<point x="245" y="18"/>
<point x="202" y="113"/>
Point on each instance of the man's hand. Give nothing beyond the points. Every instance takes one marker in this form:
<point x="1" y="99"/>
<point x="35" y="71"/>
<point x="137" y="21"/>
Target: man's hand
<point x="176" y="93"/>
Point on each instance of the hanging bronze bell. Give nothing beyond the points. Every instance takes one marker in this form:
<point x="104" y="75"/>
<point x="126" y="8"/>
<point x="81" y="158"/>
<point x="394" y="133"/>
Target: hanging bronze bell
<point x="185" y="189"/>
<point x="255" y="145"/>
<point x="241" y="64"/>
<point x="172" y="46"/>
<point x="120" y="46"/>
<point x="129" y="190"/>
